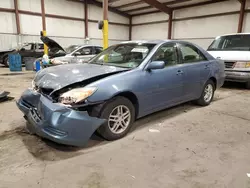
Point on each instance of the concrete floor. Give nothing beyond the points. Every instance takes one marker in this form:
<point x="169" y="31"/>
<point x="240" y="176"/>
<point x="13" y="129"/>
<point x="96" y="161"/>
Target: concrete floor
<point x="194" y="148"/>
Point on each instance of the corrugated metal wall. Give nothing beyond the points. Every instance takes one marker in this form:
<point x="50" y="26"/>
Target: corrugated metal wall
<point x="65" y="31"/>
<point x="198" y="30"/>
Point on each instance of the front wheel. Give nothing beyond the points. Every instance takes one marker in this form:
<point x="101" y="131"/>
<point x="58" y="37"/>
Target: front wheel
<point x="120" y="115"/>
<point x="207" y="94"/>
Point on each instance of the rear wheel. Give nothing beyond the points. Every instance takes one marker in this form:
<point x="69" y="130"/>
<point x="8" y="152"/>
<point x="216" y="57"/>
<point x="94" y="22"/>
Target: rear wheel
<point x="248" y="85"/>
<point x="6" y="61"/>
<point x="207" y="94"/>
<point x="120" y="115"/>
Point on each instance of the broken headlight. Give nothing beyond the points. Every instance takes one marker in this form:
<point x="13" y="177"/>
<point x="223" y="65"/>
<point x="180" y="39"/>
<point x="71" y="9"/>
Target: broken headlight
<point x="76" y="95"/>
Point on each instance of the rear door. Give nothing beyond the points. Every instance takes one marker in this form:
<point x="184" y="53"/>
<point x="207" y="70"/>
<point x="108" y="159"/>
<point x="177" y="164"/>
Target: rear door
<point x="196" y="68"/>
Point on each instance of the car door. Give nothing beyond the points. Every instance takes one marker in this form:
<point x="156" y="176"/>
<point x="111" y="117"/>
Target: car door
<point x="39" y="50"/>
<point x="26" y="50"/>
<point x="163" y="87"/>
<point x="84" y="54"/>
<point x="196" y="68"/>
<point x="97" y="50"/>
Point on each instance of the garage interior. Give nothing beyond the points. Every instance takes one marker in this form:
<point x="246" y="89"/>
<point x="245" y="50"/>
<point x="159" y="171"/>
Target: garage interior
<point x="190" y="146"/>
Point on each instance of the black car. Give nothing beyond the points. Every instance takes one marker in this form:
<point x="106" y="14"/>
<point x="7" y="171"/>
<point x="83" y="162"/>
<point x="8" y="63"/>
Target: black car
<point x="33" y="49"/>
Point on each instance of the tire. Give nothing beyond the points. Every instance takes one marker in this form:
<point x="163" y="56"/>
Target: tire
<point x="248" y="85"/>
<point x="205" y="100"/>
<point x="6" y="61"/>
<point x="108" y="130"/>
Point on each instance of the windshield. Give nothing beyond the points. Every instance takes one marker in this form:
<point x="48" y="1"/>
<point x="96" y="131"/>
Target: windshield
<point x="231" y="43"/>
<point x="71" y="48"/>
<point x="129" y="55"/>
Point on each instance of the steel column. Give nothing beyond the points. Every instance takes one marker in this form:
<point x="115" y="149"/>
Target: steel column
<point x="46" y="50"/>
<point x="170" y="24"/>
<point x="105" y="24"/>
<point x="86" y="18"/>
<point x="241" y="17"/>
<point x="17" y="17"/>
<point x="130" y="28"/>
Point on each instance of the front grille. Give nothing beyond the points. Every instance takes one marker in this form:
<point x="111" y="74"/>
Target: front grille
<point x="229" y="64"/>
<point x="27" y="104"/>
<point x="35" y="115"/>
<point x="45" y="91"/>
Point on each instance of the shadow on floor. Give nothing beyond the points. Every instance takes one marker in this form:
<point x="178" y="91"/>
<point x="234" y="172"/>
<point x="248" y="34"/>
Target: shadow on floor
<point x="46" y="150"/>
<point x="235" y="85"/>
<point x="43" y="149"/>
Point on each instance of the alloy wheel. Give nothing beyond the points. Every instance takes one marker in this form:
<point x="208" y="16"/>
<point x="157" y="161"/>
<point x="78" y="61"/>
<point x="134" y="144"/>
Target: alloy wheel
<point x="119" y="119"/>
<point x="208" y="93"/>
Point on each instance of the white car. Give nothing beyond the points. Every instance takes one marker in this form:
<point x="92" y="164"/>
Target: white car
<point x="234" y="50"/>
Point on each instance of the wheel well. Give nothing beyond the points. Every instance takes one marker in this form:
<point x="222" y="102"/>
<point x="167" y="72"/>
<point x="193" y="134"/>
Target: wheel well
<point x="132" y="97"/>
<point x="215" y="81"/>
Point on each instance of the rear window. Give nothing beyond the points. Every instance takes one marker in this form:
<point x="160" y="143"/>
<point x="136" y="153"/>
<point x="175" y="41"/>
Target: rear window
<point x="231" y="43"/>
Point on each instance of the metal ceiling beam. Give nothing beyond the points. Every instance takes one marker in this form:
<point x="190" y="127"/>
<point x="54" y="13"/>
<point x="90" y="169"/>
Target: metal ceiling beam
<point x="159" y="6"/>
<point x="99" y="4"/>
<point x="184" y="6"/>
<point x="199" y="4"/>
<point x="129" y="4"/>
<point x="148" y="7"/>
<point x="113" y="1"/>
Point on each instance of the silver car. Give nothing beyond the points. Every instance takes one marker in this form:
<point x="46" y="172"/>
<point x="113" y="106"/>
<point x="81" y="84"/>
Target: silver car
<point x="79" y="53"/>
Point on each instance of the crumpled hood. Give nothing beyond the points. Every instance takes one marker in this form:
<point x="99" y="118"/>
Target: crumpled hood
<point x="61" y="76"/>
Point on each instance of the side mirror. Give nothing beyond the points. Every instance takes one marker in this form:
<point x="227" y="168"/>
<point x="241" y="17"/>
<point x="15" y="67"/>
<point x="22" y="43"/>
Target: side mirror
<point x="156" y="65"/>
<point x="77" y="53"/>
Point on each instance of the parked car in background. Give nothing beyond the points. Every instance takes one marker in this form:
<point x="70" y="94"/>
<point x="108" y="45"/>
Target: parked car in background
<point x="127" y="81"/>
<point x="234" y="50"/>
<point x="80" y="53"/>
<point x="73" y="53"/>
<point x="28" y="49"/>
<point x="33" y="49"/>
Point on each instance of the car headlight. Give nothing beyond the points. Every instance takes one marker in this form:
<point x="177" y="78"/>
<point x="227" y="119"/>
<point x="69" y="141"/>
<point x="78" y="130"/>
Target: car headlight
<point x="242" y="65"/>
<point x="76" y="95"/>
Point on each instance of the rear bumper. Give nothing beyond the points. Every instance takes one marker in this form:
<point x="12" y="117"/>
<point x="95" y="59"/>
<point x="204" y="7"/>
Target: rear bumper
<point x="237" y="76"/>
<point x="57" y="122"/>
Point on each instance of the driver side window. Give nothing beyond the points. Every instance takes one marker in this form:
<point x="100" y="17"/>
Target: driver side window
<point x="85" y="51"/>
<point x="27" y="47"/>
<point x="168" y="54"/>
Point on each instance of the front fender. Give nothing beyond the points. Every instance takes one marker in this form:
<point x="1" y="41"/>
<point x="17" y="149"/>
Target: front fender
<point x="113" y="85"/>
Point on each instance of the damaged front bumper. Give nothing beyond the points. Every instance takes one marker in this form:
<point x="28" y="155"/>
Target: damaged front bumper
<point x="55" y="121"/>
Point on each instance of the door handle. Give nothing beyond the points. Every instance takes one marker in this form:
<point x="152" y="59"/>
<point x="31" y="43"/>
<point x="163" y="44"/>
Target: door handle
<point x="206" y="66"/>
<point x="179" y="72"/>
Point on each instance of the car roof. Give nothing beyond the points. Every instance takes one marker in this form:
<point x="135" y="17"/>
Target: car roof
<point x="155" y="41"/>
<point x="234" y="34"/>
<point x="146" y="41"/>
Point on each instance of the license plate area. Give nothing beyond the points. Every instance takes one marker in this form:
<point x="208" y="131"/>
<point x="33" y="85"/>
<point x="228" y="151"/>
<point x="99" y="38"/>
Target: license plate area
<point x="35" y="116"/>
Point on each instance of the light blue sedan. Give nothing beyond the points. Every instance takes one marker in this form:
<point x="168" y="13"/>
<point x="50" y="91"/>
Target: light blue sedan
<point x="68" y="103"/>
